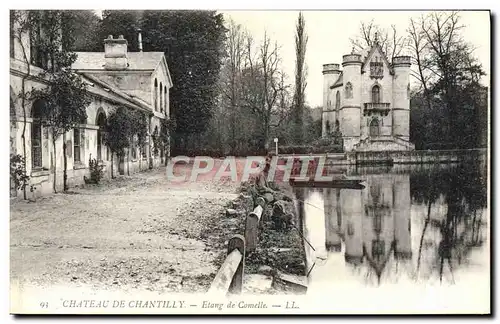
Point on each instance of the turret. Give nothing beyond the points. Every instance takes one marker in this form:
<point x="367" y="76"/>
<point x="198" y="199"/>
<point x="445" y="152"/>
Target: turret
<point x="350" y="113"/>
<point x="331" y="73"/>
<point x="401" y="97"/>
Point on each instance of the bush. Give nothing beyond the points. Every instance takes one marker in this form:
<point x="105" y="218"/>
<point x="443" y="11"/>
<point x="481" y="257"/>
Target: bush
<point x="17" y="174"/>
<point x="96" y="171"/>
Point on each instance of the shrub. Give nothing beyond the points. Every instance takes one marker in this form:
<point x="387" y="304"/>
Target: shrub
<point x="96" y="171"/>
<point x="17" y="174"/>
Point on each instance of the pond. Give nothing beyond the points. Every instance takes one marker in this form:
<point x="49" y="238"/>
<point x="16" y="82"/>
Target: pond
<point x="411" y="223"/>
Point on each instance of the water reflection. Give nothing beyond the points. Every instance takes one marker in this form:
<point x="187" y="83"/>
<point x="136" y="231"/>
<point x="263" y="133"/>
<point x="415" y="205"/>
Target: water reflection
<point x="417" y="222"/>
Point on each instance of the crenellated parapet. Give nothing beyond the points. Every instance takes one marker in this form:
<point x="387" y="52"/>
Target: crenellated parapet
<point x="331" y="68"/>
<point x="401" y="61"/>
<point x="351" y="59"/>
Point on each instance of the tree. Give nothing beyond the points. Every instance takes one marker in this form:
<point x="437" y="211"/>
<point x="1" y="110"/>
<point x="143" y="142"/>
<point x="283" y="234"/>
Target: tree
<point x="118" y="133"/>
<point x="167" y="127"/>
<point x="63" y="103"/>
<point x="300" y="79"/>
<point x="230" y="85"/>
<point x="448" y="74"/>
<point x="63" y="107"/>
<point x="389" y="40"/>
<point x="193" y="44"/>
<point x="262" y="92"/>
<point x="87" y="25"/>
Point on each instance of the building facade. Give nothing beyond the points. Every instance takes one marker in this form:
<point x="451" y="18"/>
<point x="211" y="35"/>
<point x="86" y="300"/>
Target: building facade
<point x="368" y="101"/>
<point x="115" y="78"/>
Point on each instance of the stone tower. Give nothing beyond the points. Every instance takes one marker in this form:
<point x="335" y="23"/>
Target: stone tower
<point x="331" y="73"/>
<point x="368" y="101"/>
<point x="401" y="97"/>
<point x="350" y="111"/>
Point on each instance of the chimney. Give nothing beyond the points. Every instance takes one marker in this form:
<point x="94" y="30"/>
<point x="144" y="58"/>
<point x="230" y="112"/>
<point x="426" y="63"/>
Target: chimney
<point x="115" y="53"/>
<point x="139" y="39"/>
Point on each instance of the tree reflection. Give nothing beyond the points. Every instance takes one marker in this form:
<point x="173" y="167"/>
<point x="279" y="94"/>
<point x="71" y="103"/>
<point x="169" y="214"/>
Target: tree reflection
<point x="463" y="189"/>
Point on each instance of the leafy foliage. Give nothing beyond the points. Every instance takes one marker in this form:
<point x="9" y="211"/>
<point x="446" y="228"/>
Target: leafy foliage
<point x="64" y="102"/>
<point x="118" y="131"/>
<point x="96" y="171"/>
<point x="122" y="126"/>
<point x="17" y="171"/>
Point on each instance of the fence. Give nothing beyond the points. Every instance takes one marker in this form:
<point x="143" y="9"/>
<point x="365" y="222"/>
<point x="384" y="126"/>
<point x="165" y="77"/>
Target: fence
<point x="229" y="278"/>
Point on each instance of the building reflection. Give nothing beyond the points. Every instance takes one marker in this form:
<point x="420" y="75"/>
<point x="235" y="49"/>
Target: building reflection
<point x="373" y="223"/>
<point x="372" y="227"/>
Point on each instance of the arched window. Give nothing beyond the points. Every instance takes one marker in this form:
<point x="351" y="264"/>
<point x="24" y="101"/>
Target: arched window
<point x="36" y="135"/>
<point x="337" y="101"/>
<point x="101" y="122"/>
<point x="374" y="128"/>
<point x="348" y="90"/>
<point x="161" y="96"/>
<point x="328" y="127"/>
<point x="155" y="100"/>
<point x="376" y="94"/>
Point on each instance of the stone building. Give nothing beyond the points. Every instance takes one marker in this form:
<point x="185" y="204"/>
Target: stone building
<point x="115" y="78"/>
<point x="368" y="101"/>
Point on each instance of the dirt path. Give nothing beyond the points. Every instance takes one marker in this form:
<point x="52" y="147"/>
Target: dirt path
<point x="138" y="232"/>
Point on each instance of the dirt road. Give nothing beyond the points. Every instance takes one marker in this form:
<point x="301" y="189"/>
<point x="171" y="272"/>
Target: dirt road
<point x="139" y="232"/>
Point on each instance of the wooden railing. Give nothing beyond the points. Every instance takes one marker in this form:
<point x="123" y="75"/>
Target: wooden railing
<point x="229" y="278"/>
<point x="252" y="225"/>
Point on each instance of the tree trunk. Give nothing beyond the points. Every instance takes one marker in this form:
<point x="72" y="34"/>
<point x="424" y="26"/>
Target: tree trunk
<point x="65" y="163"/>
<point x="112" y="174"/>
<point x="128" y="161"/>
<point x="23" y="135"/>
<point x="54" y="162"/>
<point x="23" y="104"/>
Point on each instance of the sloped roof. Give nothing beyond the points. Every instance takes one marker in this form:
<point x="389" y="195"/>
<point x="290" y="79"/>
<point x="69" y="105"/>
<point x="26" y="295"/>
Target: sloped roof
<point x="339" y="81"/>
<point x="375" y="47"/>
<point x="146" y="61"/>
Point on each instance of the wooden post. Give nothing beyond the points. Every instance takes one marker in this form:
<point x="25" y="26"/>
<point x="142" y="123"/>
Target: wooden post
<point x="229" y="278"/>
<point x="237" y="242"/>
<point x="252" y="228"/>
<point x="260" y="202"/>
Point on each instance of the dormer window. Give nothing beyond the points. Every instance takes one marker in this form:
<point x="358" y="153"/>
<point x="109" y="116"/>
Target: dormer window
<point x="376" y="68"/>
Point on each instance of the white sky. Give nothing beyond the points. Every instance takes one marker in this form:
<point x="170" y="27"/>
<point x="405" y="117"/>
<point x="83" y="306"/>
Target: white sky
<point x="329" y="33"/>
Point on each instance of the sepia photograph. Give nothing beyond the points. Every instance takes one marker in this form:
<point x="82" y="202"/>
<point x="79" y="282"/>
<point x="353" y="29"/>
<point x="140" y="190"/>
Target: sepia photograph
<point x="231" y="162"/>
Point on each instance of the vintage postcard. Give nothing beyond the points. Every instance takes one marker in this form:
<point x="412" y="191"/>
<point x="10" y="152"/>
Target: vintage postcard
<point x="249" y="162"/>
